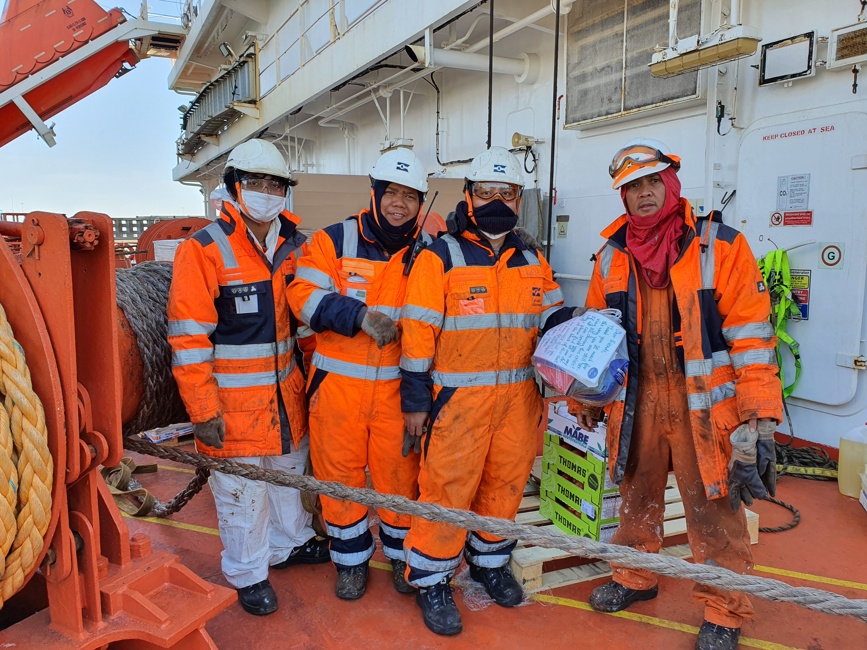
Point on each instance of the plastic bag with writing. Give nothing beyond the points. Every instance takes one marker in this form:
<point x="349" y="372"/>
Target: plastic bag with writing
<point x="585" y="358"/>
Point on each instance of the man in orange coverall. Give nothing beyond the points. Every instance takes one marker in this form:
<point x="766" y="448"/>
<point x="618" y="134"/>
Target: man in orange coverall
<point x="476" y="302"/>
<point x="233" y="343"/>
<point x="702" y="391"/>
<point x="350" y="288"/>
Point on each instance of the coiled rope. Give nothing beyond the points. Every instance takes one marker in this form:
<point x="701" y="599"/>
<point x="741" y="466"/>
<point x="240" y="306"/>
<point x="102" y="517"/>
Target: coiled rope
<point x="816" y="599"/>
<point x="142" y="292"/>
<point x="26" y="467"/>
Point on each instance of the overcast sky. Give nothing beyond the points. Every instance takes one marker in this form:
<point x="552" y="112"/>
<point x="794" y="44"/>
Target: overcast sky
<point x="115" y="149"/>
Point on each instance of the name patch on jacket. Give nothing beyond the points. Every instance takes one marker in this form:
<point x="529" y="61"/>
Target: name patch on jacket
<point x="478" y="290"/>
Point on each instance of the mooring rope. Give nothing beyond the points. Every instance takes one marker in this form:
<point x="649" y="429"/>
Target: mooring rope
<point x="816" y="599"/>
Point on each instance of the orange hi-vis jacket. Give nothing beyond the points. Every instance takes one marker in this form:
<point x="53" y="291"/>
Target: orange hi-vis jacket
<point x="344" y="272"/>
<point x="472" y="319"/>
<point x="233" y="336"/>
<point x="723" y="339"/>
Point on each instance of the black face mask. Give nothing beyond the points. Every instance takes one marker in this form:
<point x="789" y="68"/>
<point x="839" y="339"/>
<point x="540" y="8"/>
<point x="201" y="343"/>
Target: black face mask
<point x="391" y="238"/>
<point x="495" y="218"/>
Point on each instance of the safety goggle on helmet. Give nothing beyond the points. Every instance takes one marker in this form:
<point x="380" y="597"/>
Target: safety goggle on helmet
<point x="638" y="158"/>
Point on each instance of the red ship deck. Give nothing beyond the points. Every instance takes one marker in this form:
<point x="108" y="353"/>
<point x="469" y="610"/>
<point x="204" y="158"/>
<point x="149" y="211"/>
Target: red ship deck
<point x="828" y="550"/>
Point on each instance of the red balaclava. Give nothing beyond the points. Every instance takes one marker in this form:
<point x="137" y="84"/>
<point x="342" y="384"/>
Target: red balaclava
<point x="654" y="240"/>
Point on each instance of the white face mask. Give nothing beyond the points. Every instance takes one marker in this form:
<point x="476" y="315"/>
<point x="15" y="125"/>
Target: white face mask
<point x="491" y="235"/>
<point x="260" y="207"/>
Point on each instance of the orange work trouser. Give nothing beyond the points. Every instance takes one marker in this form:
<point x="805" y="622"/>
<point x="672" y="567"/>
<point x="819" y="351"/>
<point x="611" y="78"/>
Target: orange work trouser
<point x="357" y="423"/>
<point x="477" y="455"/>
<point x="662" y="433"/>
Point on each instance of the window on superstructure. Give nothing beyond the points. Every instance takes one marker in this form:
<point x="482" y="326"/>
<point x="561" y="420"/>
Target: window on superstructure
<point x="608" y="48"/>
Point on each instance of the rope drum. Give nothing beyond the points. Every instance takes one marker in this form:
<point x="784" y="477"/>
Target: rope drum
<point x="26" y="467"/>
<point x="142" y="294"/>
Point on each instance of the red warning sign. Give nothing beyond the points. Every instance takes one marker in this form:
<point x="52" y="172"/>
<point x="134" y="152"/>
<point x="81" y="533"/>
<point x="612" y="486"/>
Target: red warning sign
<point x="799" y="218"/>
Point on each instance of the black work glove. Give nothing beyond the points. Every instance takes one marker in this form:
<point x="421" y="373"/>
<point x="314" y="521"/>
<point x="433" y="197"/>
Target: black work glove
<point x="410" y="442"/>
<point x="211" y="432"/>
<point x="766" y="455"/>
<point x="744" y="481"/>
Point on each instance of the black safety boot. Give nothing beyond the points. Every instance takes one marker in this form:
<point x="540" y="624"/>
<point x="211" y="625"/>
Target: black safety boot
<point x="398" y="570"/>
<point x="440" y="613"/>
<point x="717" y="637"/>
<point x="313" y="551"/>
<point x="500" y="584"/>
<point x="258" y="599"/>
<point x="351" y="582"/>
<point x="613" y="597"/>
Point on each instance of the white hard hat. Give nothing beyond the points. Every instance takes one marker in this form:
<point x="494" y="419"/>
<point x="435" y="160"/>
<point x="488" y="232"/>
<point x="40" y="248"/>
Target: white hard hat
<point x="496" y="164"/>
<point x="400" y="166"/>
<point x="259" y="157"/>
<point x="640" y="157"/>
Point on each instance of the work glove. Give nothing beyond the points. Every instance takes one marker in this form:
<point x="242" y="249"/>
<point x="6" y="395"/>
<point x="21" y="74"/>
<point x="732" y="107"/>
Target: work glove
<point x="211" y="432"/>
<point x="527" y="238"/>
<point x="410" y="442"/>
<point x="380" y="328"/>
<point x="766" y="455"/>
<point x="744" y="481"/>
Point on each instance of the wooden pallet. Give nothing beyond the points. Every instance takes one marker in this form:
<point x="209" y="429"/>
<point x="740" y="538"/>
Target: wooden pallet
<point x="528" y="562"/>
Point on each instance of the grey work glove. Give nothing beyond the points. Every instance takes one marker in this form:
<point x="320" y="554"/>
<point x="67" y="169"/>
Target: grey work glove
<point x="410" y="442"/>
<point x="744" y="481"/>
<point x="380" y="328"/>
<point x="211" y="432"/>
<point x="527" y="238"/>
<point x="766" y="455"/>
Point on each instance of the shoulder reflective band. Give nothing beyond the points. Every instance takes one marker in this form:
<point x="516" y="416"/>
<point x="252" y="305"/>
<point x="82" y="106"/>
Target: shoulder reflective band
<point x="778" y="280"/>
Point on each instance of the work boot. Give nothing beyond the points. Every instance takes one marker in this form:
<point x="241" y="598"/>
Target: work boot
<point x="440" y="613"/>
<point x="717" y="637"/>
<point x="613" y="597"/>
<point x="398" y="579"/>
<point x="258" y="599"/>
<point x="351" y="582"/>
<point x="500" y="584"/>
<point x="313" y="551"/>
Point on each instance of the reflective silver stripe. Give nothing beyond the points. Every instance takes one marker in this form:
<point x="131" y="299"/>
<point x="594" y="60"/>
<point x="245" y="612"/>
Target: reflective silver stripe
<point x="391" y="531"/>
<point x="490" y="321"/>
<point x="707" y="256"/>
<point x="699" y="368"/>
<point x="350" y="238"/>
<point x="353" y="559"/>
<point x="532" y="260"/>
<point x="253" y="350"/>
<point x="426" y="238"/>
<point x="190" y="328"/>
<point x="283" y="373"/>
<point x="245" y="379"/>
<point x="392" y="312"/>
<point x="418" y="561"/>
<point x="704" y="401"/>
<point x="547" y="314"/>
<point x="348" y="532"/>
<point x="415" y="365"/>
<point x="486" y="547"/>
<point x="494" y="378"/>
<point x="491" y="561"/>
<point x="303" y="331"/>
<point x="355" y="370"/>
<point x="705" y="367"/>
<point x="761" y="330"/>
<point x="552" y="297"/>
<point x="312" y="304"/>
<point x="223" y="244"/>
<point x="765" y="357"/>
<point x="455" y="251"/>
<point x="317" y="277"/>
<point x="190" y="357"/>
<point x="606" y="256"/>
<point x="422" y="314"/>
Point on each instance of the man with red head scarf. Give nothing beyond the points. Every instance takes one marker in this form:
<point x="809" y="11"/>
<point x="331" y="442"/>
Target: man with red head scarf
<point x="702" y="394"/>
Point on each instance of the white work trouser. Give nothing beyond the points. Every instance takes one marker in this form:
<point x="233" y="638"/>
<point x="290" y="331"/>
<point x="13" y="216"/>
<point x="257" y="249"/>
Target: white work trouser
<point x="257" y="531"/>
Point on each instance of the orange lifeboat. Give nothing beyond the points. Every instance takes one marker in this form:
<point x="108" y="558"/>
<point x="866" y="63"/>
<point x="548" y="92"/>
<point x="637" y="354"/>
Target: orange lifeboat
<point x="33" y="36"/>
